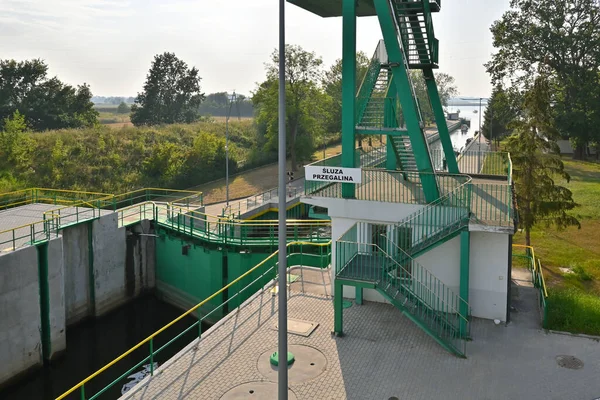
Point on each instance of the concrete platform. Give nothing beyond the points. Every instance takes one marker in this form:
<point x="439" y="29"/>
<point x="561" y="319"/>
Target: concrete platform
<point x="18" y="225"/>
<point x="382" y="356"/>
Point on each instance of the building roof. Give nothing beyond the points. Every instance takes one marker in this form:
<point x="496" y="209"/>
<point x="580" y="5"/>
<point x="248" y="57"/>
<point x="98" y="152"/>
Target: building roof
<point x="333" y="8"/>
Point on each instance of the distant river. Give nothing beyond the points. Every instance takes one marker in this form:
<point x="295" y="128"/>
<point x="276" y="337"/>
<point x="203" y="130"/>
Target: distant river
<point x="458" y="139"/>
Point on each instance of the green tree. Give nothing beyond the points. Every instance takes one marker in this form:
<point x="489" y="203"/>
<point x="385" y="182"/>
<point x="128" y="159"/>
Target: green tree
<point x="123" y="108"/>
<point x="446" y="90"/>
<point x="536" y="164"/>
<point x="171" y="93"/>
<point x="46" y="103"/>
<point x="564" y="36"/>
<point x="332" y="83"/>
<point x="499" y="114"/>
<point x="307" y="106"/>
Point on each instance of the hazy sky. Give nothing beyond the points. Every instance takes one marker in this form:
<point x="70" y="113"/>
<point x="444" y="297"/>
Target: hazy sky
<point x="110" y="43"/>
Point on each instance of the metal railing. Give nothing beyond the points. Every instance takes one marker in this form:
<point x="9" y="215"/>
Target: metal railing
<point x="26" y="235"/>
<point x="239" y="232"/>
<point x="387" y="186"/>
<point x="491" y="204"/>
<point x="236" y="210"/>
<point x="58" y="197"/>
<point x="437" y="220"/>
<point x="534" y="266"/>
<point x="266" y="271"/>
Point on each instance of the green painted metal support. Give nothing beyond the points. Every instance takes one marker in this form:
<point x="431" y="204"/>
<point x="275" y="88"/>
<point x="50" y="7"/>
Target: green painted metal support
<point x="348" y="90"/>
<point x="91" y="275"/>
<point x="44" y="288"/>
<point x="406" y="95"/>
<point x="440" y="120"/>
<point x="390" y="122"/>
<point x="338" y="308"/>
<point x="359" y="295"/>
<point x="465" y="248"/>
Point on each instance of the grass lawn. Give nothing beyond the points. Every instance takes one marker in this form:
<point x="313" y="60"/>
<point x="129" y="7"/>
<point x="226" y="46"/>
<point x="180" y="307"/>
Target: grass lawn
<point x="571" y="258"/>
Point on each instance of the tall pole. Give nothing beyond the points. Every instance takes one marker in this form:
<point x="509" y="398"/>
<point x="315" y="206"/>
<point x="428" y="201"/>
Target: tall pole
<point x="480" y="133"/>
<point x="282" y="374"/>
<point x="230" y="100"/>
<point x="227" y="158"/>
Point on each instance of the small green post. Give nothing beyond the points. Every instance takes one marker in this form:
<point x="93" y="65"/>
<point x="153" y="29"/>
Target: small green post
<point x="82" y="392"/>
<point x="465" y="247"/>
<point x="338" y="308"/>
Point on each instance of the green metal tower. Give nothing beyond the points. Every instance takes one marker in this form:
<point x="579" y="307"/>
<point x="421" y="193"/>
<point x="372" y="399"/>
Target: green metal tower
<point x="386" y="103"/>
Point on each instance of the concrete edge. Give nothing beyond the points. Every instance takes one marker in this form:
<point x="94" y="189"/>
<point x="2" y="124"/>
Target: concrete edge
<point x="581" y="335"/>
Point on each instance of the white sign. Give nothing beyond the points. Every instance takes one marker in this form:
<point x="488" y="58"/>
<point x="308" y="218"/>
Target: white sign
<point x="333" y="174"/>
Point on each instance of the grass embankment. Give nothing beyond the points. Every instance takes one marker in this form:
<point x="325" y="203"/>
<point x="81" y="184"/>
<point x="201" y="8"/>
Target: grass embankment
<point x="571" y="257"/>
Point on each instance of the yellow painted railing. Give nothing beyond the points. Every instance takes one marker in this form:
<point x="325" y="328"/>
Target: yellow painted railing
<point x="149" y="341"/>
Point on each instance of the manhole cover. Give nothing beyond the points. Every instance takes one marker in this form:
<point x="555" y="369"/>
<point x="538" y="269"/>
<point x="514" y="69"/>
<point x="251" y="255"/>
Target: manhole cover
<point x="255" y="390"/>
<point x="569" y="362"/>
<point x="309" y="363"/>
<point x="300" y="327"/>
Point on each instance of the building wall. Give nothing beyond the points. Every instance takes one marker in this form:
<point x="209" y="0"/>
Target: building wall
<point x="20" y="341"/>
<point x="488" y="254"/>
<point x="488" y="275"/>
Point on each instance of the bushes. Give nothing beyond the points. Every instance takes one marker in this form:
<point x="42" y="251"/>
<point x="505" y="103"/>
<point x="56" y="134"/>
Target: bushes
<point x="106" y="160"/>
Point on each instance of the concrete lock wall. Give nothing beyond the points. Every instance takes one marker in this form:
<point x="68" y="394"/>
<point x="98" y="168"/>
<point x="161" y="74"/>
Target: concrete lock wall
<point x="76" y="274"/>
<point x="56" y="298"/>
<point x="120" y="261"/>
<point x="109" y="252"/>
<point x="20" y="341"/>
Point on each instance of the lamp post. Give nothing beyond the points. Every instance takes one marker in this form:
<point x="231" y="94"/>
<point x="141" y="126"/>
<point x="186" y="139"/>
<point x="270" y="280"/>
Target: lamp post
<point x="230" y="98"/>
<point x="282" y="345"/>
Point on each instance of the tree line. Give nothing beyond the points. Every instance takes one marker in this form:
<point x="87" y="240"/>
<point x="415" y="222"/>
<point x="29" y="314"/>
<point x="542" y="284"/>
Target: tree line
<point x="171" y="145"/>
<point x="546" y="77"/>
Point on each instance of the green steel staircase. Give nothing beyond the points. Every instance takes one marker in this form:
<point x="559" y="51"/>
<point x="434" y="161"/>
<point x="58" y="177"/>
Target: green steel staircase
<point x="410" y="287"/>
<point x="384" y="255"/>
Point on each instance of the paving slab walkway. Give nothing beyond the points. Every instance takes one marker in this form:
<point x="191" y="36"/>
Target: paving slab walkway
<point x="383" y="355"/>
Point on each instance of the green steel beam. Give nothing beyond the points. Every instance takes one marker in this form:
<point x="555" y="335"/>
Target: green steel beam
<point x="356" y="283"/>
<point x="383" y="131"/>
<point x="405" y="93"/>
<point x="44" y="289"/>
<point x="359" y="295"/>
<point x="338" y="309"/>
<point x="391" y="162"/>
<point x="465" y="247"/>
<point x="440" y="120"/>
<point x="348" y="90"/>
<point x="91" y="275"/>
